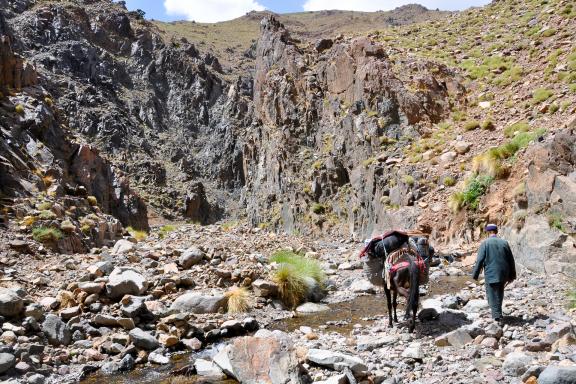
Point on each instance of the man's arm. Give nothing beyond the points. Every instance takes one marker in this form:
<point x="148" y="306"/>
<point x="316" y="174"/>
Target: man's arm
<point x="511" y="263"/>
<point x="479" y="262"/>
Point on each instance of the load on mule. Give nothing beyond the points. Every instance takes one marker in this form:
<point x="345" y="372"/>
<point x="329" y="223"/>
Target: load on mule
<point x="399" y="261"/>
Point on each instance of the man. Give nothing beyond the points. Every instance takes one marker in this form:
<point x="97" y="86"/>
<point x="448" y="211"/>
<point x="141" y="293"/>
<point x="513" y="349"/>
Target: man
<point x="496" y="258"/>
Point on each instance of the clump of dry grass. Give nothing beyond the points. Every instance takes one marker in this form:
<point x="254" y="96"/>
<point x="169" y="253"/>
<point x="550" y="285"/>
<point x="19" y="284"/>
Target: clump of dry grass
<point x="238" y="299"/>
<point x="291" y="284"/>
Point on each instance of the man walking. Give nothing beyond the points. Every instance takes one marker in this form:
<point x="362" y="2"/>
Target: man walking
<point x="496" y="258"/>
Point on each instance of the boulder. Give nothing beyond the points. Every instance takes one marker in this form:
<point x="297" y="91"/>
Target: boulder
<point x="265" y="288"/>
<point x="190" y="257"/>
<point x="125" y="281"/>
<point x="261" y="359"/>
<point x="337" y="361"/>
<point x="7" y="361"/>
<point x="208" y="369"/>
<point x="462" y="147"/>
<point x="516" y="363"/>
<point x="448" y="157"/>
<point x="198" y="303"/>
<point x="56" y="331"/>
<point x="456" y="338"/>
<point x="10" y="303"/>
<point x="558" y="375"/>
<point x="122" y="246"/>
<point x="143" y="340"/>
<point x="362" y="286"/>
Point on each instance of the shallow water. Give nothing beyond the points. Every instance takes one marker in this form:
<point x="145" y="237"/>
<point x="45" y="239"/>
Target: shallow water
<point x="340" y="318"/>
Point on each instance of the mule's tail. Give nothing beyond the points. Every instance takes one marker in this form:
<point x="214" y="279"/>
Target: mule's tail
<point x="414" y="293"/>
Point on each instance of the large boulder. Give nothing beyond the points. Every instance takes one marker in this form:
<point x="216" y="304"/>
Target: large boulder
<point x="336" y="360"/>
<point x="558" y="375"/>
<point x="261" y="359"/>
<point x="56" y="331"/>
<point x="125" y="281"/>
<point x="10" y="303"/>
<point x="199" y="303"/>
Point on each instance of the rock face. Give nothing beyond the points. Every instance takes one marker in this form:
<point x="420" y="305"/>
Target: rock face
<point x="542" y="242"/>
<point x="10" y="303"/>
<point x="261" y="360"/>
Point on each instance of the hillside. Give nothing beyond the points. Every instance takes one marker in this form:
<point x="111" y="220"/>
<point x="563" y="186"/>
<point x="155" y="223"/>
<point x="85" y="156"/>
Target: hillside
<point x="233" y="41"/>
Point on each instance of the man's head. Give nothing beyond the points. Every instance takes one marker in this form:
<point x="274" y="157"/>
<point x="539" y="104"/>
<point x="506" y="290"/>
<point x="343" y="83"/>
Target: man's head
<point x="491" y="229"/>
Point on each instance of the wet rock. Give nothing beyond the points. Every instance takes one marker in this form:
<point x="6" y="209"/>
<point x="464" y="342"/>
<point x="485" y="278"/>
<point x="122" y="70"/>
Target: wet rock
<point x="208" y="369"/>
<point x="190" y="257"/>
<point x="125" y="281"/>
<point x="516" y="363"/>
<point x="265" y="288"/>
<point x="312" y="308"/>
<point x="428" y="314"/>
<point x="336" y="360"/>
<point x="7" y="361"/>
<point x="558" y="375"/>
<point x="254" y="359"/>
<point x="198" y="303"/>
<point x="56" y="331"/>
<point x="158" y="358"/>
<point x="127" y="363"/>
<point x="10" y="303"/>
<point x="362" y="286"/>
<point x="143" y="339"/>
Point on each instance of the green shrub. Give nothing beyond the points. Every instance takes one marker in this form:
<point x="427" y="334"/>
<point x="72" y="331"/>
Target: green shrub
<point x="475" y="188"/>
<point x="137" y="234"/>
<point x="318" y="208"/>
<point x="46" y="234"/>
<point x="19" y="109"/>
<point x="521" y="126"/>
<point x="292" y="273"/>
<point x="553" y="108"/>
<point x="165" y="230"/>
<point x="471" y="125"/>
<point x="555" y="220"/>
<point x="542" y="94"/>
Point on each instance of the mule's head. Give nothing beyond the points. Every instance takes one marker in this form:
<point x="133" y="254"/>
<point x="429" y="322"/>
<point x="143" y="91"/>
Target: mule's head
<point x="424" y="249"/>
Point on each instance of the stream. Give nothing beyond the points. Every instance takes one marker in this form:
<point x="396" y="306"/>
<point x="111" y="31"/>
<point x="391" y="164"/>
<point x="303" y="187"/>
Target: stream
<point x="340" y="318"/>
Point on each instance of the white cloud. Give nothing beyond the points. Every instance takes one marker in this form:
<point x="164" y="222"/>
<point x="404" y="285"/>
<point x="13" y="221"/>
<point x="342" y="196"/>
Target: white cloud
<point x="210" y="11"/>
<point x="386" y="5"/>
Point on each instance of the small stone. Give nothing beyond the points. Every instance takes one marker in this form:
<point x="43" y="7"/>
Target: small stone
<point x="158" y="358"/>
<point x="192" y="344"/>
<point x="208" y="369"/>
<point x="168" y="340"/>
<point x="190" y="257"/>
<point x="516" y="363"/>
<point x="312" y="308"/>
<point x="143" y="339"/>
<point x="10" y="303"/>
<point x="7" y="361"/>
<point x="56" y="331"/>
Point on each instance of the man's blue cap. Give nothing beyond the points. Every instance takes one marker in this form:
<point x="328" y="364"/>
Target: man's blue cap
<point x="491" y="227"/>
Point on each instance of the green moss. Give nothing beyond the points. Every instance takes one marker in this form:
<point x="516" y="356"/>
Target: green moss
<point x="46" y="215"/>
<point x="46" y="234"/>
<point x="542" y="94"/>
<point x="137" y="234"/>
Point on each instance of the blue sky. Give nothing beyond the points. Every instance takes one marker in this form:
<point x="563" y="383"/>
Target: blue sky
<point x="220" y="10"/>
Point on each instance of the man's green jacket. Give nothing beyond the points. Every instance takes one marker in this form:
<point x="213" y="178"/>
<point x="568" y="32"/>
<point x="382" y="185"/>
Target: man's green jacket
<point x="496" y="258"/>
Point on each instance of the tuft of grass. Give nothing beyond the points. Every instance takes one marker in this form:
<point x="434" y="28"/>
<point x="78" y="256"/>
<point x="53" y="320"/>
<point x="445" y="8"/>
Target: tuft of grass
<point x="487" y="125"/>
<point x="46" y="205"/>
<point x="238" y="299"/>
<point x="28" y="220"/>
<point x="292" y="273"/>
<point x="92" y="200"/>
<point x="518" y="127"/>
<point x="471" y="125"/>
<point x="449" y="181"/>
<point x="19" y="109"/>
<point x="542" y="94"/>
<point x="46" y="215"/>
<point x="46" y="234"/>
<point x="318" y="208"/>
<point x="408" y="180"/>
<point x="137" y="234"/>
<point x="165" y="230"/>
<point x="555" y="220"/>
<point x="291" y="284"/>
<point x="474" y="189"/>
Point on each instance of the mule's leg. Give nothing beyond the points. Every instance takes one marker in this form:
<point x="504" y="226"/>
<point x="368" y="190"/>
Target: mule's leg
<point x="389" y="303"/>
<point x="395" y="303"/>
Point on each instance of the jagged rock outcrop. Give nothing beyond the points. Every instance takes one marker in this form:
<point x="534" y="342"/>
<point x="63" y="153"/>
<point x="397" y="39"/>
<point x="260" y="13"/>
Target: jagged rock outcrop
<point x="543" y="224"/>
<point x="323" y="149"/>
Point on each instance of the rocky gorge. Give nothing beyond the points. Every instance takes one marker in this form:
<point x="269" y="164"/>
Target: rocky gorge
<point x="146" y="187"/>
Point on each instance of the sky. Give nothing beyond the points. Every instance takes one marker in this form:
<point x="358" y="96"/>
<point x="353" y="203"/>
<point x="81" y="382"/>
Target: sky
<point x="211" y="11"/>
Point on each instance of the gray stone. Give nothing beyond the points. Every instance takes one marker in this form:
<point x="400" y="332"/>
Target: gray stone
<point x="105" y="320"/>
<point x="462" y="147"/>
<point x="475" y="306"/>
<point x="56" y="331"/>
<point x="369" y="342"/>
<point x="362" y="286"/>
<point x="336" y="360"/>
<point x="127" y="363"/>
<point x="190" y="257"/>
<point x="413" y="351"/>
<point x="35" y="378"/>
<point x="208" y="369"/>
<point x="133" y="306"/>
<point x="558" y="375"/>
<point x="10" y="303"/>
<point x="312" y="308"/>
<point x="7" y="361"/>
<point x="125" y="281"/>
<point x="494" y="330"/>
<point x="91" y="287"/>
<point x="143" y="340"/>
<point x="158" y="358"/>
<point x="456" y="338"/>
<point x="265" y="288"/>
<point x="448" y="157"/>
<point x="198" y="303"/>
<point x="516" y="363"/>
<point x="122" y="246"/>
<point x="35" y="311"/>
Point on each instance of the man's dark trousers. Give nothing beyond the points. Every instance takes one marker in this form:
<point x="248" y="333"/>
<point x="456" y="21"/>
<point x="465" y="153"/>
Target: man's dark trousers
<point x="495" y="296"/>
